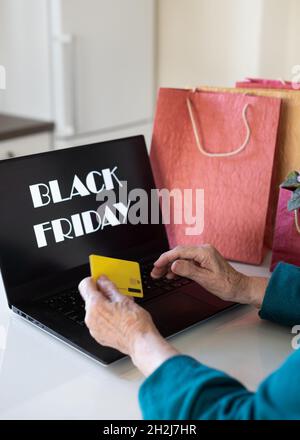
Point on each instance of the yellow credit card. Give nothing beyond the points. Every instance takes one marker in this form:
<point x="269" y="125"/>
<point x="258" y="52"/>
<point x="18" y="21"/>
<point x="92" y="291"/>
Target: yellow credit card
<point x="125" y="274"/>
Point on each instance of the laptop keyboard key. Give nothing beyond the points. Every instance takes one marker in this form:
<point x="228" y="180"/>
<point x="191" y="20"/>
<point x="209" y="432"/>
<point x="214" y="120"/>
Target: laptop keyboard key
<point x="185" y="281"/>
<point x="70" y="304"/>
<point x="168" y="288"/>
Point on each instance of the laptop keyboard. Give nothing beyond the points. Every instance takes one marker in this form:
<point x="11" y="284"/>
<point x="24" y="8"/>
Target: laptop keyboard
<point x="71" y="305"/>
<point x="153" y="288"/>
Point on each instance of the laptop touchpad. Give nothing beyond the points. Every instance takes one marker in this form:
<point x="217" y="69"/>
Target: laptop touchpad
<point x="172" y="313"/>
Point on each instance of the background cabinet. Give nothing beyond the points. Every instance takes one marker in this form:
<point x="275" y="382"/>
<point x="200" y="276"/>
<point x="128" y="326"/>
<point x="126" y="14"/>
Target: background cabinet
<point x="22" y="146"/>
<point x="103" y="65"/>
<point x="23" y="136"/>
<point x="87" y="65"/>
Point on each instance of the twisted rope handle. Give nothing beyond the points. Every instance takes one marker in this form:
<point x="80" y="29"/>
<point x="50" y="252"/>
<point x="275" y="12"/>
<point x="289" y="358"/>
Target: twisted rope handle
<point x="197" y="137"/>
<point x="297" y="221"/>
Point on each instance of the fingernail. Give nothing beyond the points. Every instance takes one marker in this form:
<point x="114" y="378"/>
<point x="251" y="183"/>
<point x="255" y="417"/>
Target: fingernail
<point x="102" y="278"/>
<point x="174" y="266"/>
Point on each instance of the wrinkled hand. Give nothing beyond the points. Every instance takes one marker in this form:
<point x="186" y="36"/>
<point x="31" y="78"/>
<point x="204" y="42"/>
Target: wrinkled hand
<point x="207" y="267"/>
<point x="116" y="321"/>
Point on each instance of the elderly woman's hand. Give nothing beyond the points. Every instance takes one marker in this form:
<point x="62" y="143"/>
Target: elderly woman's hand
<point x="206" y="266"/>
<point x="116" y="321"/>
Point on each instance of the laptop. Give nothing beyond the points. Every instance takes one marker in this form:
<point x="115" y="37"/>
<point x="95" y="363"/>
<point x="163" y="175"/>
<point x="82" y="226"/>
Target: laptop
<point x="50" y="224"/>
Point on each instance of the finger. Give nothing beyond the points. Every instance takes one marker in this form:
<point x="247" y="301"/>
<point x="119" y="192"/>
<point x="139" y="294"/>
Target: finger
<point x="167" y="258"/>
<point x="158" y="272"/>
<point x="185" y="268"/>
<point x="109" y="289"/>
<point x="88" y="290"/>
<point x="179" y="252"/>
<point x="196" y="253"/>
<point x="171" y="275"/>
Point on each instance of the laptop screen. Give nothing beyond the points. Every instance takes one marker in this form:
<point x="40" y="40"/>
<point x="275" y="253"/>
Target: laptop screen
<point x="57" y="208"/>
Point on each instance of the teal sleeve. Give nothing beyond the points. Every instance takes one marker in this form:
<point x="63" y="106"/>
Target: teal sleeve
<point x="184" y="389"/>
<point x="282" y="299"/>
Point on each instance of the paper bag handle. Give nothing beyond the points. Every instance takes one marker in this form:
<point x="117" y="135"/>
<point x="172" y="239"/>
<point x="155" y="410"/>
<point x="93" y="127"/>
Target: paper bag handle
<point x="197" y="137"/>
<point x="297" y="221"/>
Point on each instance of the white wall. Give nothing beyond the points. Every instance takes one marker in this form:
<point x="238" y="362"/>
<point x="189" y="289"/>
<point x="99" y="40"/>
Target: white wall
<point x="292" y="49"/>
<point x="199" y="41"/>
<point x="219" y="41"/>
<point x="24" y="48"/>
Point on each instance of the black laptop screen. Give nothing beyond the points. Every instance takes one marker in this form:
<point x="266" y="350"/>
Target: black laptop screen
<point x="51" y="220"/>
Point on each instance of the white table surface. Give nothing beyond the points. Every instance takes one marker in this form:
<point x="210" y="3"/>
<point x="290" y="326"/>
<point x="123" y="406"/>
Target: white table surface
<point x="42" y="378"/>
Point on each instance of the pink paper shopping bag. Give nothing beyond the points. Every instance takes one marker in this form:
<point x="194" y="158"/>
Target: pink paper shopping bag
<point x="261" y="83"/>
<point x="286" y="244"/>
<point x="223" y="143"/>
<point x="287" y="151"/>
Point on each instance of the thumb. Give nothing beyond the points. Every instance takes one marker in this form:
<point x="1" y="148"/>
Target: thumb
<point x="109" y="289"/>
<point x="185" y="268"/>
